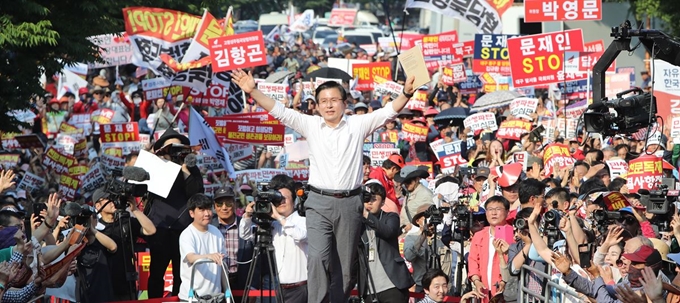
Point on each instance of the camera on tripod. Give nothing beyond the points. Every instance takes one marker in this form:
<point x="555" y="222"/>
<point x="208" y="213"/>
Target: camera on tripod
<point x="263" y="205"/>
<point x="119" y="190"/>
<point x="659" y="203"/>
<point x="550" y="226"/>
<point x="462" y="222"/>
<point x="632" y="113"/>
<point x="435" y="215"/>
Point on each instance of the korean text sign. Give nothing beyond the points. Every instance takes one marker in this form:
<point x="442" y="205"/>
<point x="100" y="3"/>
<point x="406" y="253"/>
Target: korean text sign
<point x="58" y="161"/>
<point x="237" y="51"/>
<point x="557" y="155"/>
<point x="538" y="59"/>
<point x="513" y="129"/>
<point x="267" y="134"/>
<point x="481" y="121"/>
<point x="120" y="132"/>
<point x="414" y="132"/>
<point x="562" y="10"/>
<point x="491" y="54"/>
<point x="439" y="44"/>
<point x="276" y="91"/>
<point x="644" y="172"/>
<point x="365" y="73"/>
<point x="523" y="107"/>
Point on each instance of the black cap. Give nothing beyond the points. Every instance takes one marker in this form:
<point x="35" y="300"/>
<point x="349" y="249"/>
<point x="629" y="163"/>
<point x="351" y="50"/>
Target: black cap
<point x="99" y="193"/>
<point x="224" y="192"/>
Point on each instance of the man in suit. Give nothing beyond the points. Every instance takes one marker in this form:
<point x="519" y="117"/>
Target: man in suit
<point x="389" y="278"/>
<point x="238" y="249"/>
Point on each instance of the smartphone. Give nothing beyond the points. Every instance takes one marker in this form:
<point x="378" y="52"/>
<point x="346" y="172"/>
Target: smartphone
<point x="505" y="232"/>
<point x="37" y="208"/>
<point x="304" y="105"/>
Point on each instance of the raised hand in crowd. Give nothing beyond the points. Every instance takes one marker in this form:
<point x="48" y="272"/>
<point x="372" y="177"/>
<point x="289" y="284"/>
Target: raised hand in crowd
<point x="675" y="223"/>
<point x="470" y="295"/>
<point x="606" y="273"/>
<point x="6" y="179"/>
<point x="561" y="262"/>
<point x="628" y="295"/>
<point x="652" y="285"/>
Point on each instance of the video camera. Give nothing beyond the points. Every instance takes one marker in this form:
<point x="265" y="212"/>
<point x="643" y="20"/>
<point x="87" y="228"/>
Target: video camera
<point x="119" y="190"/>
<point x="436" y="215"/>
<point x="632" y="113"/>
<point x="80" y="215"/>
<point x="264" y="200"/>
<point x="550" y="226"/>
<point x="659" y="202"/>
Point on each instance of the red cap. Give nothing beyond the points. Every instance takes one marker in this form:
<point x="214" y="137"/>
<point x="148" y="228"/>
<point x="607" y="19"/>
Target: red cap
<point x="645" y="254"/>
<point x="431" y="111"/>
<point x="83" y="90"/>
<point x="397" y="159"/>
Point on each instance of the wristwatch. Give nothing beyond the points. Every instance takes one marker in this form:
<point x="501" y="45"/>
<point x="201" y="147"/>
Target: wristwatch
<point x="407" y="95"/>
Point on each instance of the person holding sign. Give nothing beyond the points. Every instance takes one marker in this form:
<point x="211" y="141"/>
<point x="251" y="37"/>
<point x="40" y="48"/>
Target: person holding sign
<point x="335" y="175"/>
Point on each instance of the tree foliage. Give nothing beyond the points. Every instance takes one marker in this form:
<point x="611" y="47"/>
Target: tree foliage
<point x="667" y="11"/>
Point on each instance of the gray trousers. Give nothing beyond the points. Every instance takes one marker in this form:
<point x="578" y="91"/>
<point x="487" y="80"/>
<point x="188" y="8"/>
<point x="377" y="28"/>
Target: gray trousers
<point x="333" y="234"/>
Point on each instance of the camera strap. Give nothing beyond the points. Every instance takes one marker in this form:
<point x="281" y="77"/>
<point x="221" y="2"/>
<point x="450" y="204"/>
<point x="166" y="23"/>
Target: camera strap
<point x="408" y="213"/>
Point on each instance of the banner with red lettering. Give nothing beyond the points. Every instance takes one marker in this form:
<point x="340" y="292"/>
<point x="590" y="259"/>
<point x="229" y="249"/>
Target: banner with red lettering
<point x="617" y="167"/>
<point x="439" y="44"/>
<point x="268" y="134"/>
<point x="342" y="17"/>
<point x="93" y="179"/>
<point x="644" y="172"/>
<point x="418" y="101"/>
<point x="365" y="73"/>
<point x="9" y="161"/>
<point x="237" y="51"/>
<point x="68" y="185"/>
<point x="523" y="107"/>
<point x="491" y="54"/>
<point x="513" y="129"/>
<point x="262" y="174"/>
<point x="562" y="10"/>
<point x="379" y="155"/>
<point x="58" y="161"/>
<point x="481" y="121"/>
<point x="538" y="59"/>
<point x="216" y="95"/>
<point x="556" y="155"/>
<point x="123" y="135"/>
<point x="414" y="132"/>
<point x="9" y="142"/>
<point x="31" y="182"/>
<point x="454" y="74"/>
<point x="276" y="91"/>
<point x="450" y="157"/>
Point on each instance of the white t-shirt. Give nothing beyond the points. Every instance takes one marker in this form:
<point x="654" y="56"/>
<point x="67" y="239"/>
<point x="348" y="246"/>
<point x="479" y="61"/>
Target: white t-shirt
<point x="208" y="277"/>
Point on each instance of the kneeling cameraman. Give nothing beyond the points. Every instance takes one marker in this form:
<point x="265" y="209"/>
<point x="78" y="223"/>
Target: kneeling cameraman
<point x="122" y="228"/>
<point x="289" y="237"/>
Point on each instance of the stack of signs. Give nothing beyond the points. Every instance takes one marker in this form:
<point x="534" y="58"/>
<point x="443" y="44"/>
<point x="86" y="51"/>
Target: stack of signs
<point x="556" y="155"/>
<point x="276" y="91"/>
<point x="31" y="182"/>
<point x="523" y="107"/>
<point x="450" y="157"/>
<point x="379" y="155"/>
<point x="262" y="174"/>
<point x="121" y="135"/>
<point x="481" y="121"/>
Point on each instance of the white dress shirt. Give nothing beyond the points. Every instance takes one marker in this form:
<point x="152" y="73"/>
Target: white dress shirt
<point x="335" y="154"/>
<point x="290" y="243"/>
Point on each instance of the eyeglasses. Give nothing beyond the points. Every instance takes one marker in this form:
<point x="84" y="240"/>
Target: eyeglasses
<point x="493" y="210"/>
<point x="325" y="102"/>
<point x="224" y="203"/>
<point x="627" y="219"/>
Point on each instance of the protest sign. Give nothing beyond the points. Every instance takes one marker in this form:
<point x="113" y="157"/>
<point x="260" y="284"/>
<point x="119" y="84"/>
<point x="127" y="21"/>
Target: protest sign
<point x="58" y="161"/>
<point x="237" y="51"/>
<point x="491" y="54"/>
<point x="388" y="88"/>
<point x="255" y="133"/>
<point x="379" y="155"/>
<point x="30" y="141"/>
<point x="93" y="179"/>
<point x="481" y="121"/>
<point x="102" y="116"/>
<point x="414" y="132"/>
<point x="31" y="182"/>
<point x="617" y="167"/>
<point x="436" y="147"/>
<point x="418" y="101"/>
<point x="523" y="107"/>
<point x="71" y="130"/>
<point x="9" y="142"/>
<point x="644" y="172"/>
<point x="513" y="129"/>
<point x="562" y="10"/>
<point x="68" y="185"/>
<point x="67" y="142"/>
<point x="113" y="49"/>
<point x="298" y="170"/>
<point x="521" y="157"/>
<point x="556" y="155"/>
<point x="262" y="174"/>
<point x="538" y="59"/>
<point x="675" y="127"/>
<point x="78" y="170"/>
<point x="276" y="91"/>
<point x="112" y="162"/>
<point x="364" y="73"/>
<point x="82" y="121"/>
<point x="9" y="161"/>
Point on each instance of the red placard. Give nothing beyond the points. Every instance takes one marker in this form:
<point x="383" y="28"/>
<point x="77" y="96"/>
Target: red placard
<point x="644" y="172"/>
<point x="365" y="72"/>
<point x="513" y="129"/>
<point x="215" y="96"/>
<point x="58" y="161"/>
<point x="119" y="132"/>
<point x="418" y="102"/>
<point x="593" y="50"/>
<point x="342" y="16"/>
<point x="237" y="51"/>
<point x="268" y="134"/>
<point x="562" y="10"/>
<point x="264" y="117"/>
<point x="219" y="124"/>
<point x="557" y="155"/>
<point x="414" y="132"/>
<point x="539" y="59"/>
<point x="439" y="44"/>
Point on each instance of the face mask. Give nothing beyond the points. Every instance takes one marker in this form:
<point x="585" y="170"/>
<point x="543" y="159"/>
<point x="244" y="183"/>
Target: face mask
<point x="448" y="134"/>
<point x="634" y="277"/>
<point x="137" y="100"/>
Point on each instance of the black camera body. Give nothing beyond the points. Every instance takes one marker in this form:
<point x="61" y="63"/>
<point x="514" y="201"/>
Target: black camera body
<point x="263" y="205"/>
<point x="632" y="113"/>
<point x="119" y="190"/>
<point x="436" y="215"/>
<point x="177" y="152"/>
<point x="80" y="215"/>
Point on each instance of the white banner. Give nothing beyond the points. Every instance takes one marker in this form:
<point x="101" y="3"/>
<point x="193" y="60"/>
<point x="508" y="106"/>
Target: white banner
<point x="69" y="82"/>
<point x="523" y="107"/>
<point x="481" y="121"/>
<point x="200" y="133"/>
<point x="479" y="12"/>
<point x="378" y="155"/>
<point x="304" y="22"/>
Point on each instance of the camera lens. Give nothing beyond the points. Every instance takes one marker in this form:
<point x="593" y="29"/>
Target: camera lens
<point x="520" y="223"/>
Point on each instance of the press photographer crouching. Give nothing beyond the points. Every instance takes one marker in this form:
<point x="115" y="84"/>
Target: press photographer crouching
<point x="170" y="215"/>
<point x="116" y="222"/>
<point x="383" y="276"/>
<point x="420" y="245"/>
<point x="274" y="210"/>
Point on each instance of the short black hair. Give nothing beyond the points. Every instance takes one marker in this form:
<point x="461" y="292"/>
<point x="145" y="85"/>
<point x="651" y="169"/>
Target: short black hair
<point x="387" y="164"/>
<point x="328" y="85"/>
<point x="599" y="156"/>
<point x="498" y="199"/>
<point x="529" y="188"/>
<point x="367" y="160"/>
<point x="582" y="163"/>
<point x="6" y="218"/>
<point x="591" y="185"/>
<point x="431" y="274"/>
<point x="282" y="181"/>
<point x="524" y="213"/>
<point x="560" y="194"/>
<point x="377" y="189"/>
<point x="199" y="201"/>
<point x="617" y="183"/>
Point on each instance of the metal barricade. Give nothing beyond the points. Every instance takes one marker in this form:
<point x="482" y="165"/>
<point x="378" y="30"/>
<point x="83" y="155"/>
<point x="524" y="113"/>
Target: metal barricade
<point x="527" y="295"/>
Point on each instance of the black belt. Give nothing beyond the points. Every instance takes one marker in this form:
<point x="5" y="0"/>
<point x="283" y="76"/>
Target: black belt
<point x="293" y="285"/>
<point x="336" y="193"/>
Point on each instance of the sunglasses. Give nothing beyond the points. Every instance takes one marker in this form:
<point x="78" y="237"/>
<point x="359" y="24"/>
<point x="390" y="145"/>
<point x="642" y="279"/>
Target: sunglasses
<point x="627" y="219"/>
<point x="97" y="93"/>
<point x="222" y="203"/>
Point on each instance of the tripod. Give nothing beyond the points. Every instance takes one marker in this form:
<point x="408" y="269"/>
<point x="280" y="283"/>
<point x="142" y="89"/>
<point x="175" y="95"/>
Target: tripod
<point x="131" y="275"/>
<point x="363" y="262"/>
<point x="434" y="260"/>
<point x="264" y="243"/>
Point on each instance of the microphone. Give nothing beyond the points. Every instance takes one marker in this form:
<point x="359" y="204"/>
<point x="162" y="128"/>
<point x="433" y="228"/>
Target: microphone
<point x="135" y="173"/>
<point x="190" y="160"/>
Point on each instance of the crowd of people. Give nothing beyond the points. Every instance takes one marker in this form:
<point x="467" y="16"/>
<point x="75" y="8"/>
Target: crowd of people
<point x="406" y="226"/>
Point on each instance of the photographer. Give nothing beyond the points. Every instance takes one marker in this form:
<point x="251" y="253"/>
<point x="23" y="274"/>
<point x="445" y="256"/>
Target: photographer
<point x="389" y="273"/>
<point x="170" y="215"/>
<point x="417" y="194"/>
<point x="289" y="233"/>
<point x="121" y="262"/>
<point x="94" y="281"/>
<point x="416" y="245"/>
